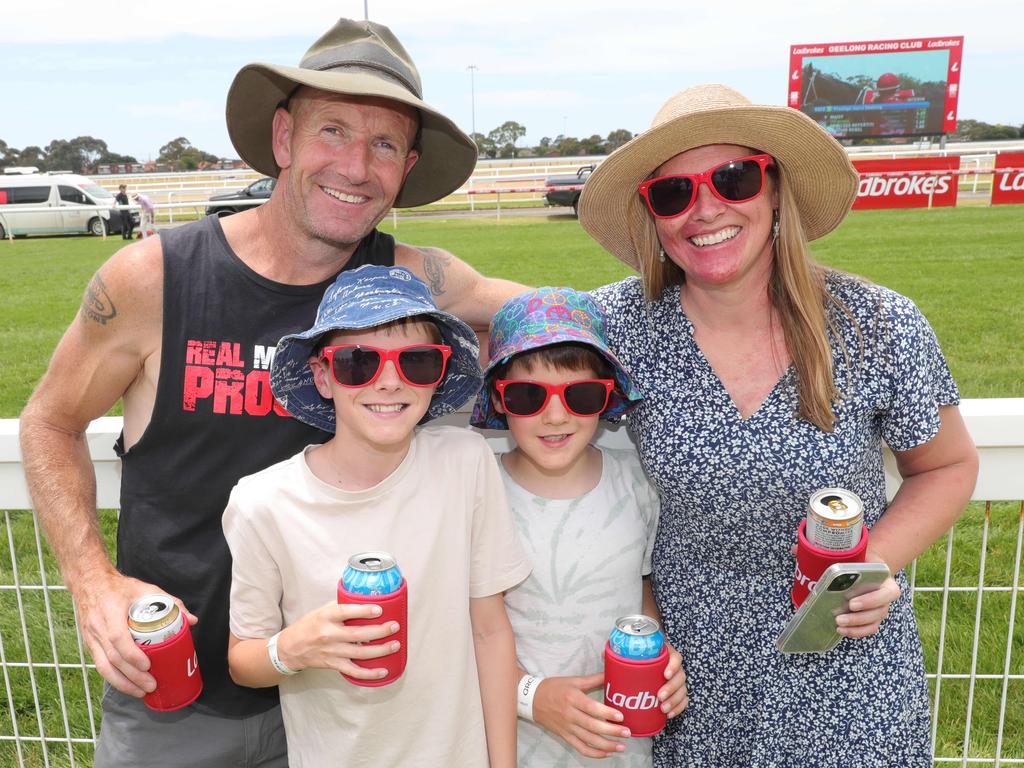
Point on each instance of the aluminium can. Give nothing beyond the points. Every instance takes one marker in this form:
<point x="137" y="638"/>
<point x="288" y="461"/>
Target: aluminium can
<point x="371" y="573"/>
<point x="637" y="637"/>
<point x="154" y="619"/>
<point x="835" y="519"/>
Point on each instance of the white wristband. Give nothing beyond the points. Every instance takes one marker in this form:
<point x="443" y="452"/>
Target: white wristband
<point x="525" y="691"/>
<point x="279" y="665"/>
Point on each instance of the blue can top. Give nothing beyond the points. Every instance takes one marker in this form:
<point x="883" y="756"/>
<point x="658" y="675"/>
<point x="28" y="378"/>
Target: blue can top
<point x="637" y="637"/>
<point x="371" y="573"/>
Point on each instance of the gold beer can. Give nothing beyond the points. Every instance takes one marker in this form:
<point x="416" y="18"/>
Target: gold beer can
<point x="835" y="519"/>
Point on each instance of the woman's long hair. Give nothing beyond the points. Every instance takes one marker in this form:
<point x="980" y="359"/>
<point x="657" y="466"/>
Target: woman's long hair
<point x="796" y="290"/>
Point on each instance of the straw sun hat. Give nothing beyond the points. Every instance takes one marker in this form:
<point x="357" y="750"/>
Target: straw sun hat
<point x="355" y="58"/>
<point x="821" y="177"/>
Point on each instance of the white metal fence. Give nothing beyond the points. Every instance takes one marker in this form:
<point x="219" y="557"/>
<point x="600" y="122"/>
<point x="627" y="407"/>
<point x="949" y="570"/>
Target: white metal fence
<point x="186" y="195"/>
<point x="966" y="592"/>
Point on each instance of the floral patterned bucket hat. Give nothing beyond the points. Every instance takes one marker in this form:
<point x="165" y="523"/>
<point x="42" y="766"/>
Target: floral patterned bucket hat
<point x="542" y="318"/>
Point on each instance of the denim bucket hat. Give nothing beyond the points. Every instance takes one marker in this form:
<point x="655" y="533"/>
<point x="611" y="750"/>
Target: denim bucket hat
<point x="365" y="298"/>
<point x="542" y="318"/>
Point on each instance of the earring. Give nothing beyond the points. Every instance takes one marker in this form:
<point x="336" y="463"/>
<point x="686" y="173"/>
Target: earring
<point x="661" y="255"/>
<point x="775" y="225"/>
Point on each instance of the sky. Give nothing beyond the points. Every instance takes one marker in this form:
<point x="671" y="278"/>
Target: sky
<point x="140" y="74"/>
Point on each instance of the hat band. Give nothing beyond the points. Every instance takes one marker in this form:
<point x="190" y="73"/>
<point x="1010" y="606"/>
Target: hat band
<point x="368" y="57"/>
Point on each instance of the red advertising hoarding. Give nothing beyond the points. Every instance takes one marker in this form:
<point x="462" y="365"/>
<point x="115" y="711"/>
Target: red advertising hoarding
<point x="1009" y="187"/>
<point x="878" y="88"/>
<point x="905" y="188"/>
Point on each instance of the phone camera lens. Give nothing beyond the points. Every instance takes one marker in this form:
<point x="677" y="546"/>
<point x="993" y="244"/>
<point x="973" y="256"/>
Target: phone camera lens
<point x="841" y="583"/>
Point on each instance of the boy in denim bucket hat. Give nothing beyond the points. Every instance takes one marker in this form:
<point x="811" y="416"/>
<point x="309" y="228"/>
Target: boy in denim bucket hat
<point x="587" y="517"/>
<point x="379" y="360"/>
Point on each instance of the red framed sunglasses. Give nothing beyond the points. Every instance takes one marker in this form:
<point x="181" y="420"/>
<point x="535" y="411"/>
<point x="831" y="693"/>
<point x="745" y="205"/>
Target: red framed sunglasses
<point x="734" y="181"/>
<point x="586" y="397"/>
<point x="358" y="365"/>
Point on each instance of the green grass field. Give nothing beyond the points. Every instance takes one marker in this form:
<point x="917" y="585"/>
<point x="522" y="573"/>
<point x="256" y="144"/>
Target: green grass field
<point x="964" y="267"/>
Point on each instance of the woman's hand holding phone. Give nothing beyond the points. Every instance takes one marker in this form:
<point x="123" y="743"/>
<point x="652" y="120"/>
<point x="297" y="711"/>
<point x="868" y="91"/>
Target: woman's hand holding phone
<point x="866" y="612"/>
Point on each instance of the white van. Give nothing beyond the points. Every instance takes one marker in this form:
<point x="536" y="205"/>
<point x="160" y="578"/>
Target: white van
<point x="56" y="203"/>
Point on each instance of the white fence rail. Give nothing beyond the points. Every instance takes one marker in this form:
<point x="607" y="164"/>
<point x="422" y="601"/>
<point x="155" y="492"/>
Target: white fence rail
<point x="966" y="597"/>
<point x="187" y="194"/>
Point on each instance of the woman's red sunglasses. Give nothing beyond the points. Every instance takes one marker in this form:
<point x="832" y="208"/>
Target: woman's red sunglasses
<point x="358" y="365"/>
<point x="734" y="181"/>
<point x="586" y="397"/>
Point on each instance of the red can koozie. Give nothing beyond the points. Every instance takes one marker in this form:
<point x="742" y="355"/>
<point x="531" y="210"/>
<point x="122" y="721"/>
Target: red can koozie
<point x="175" y="666"/>
<point x="631" y="686"/>
<point x="394" y="607"/>
<point x="811" y="562"/>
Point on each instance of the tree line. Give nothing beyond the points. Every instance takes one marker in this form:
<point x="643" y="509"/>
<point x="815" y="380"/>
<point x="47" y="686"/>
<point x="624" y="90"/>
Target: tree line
<point x="84" y="153"/>
<point x="503" y="142"/>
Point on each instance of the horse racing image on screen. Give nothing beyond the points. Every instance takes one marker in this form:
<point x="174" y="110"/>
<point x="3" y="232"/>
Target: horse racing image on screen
<point x="879" y="88"/>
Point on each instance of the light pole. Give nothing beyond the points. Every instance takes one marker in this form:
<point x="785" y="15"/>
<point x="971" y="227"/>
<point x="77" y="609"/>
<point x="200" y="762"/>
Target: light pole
<point x="472" y="95"/>
<point x="366" y="9"/>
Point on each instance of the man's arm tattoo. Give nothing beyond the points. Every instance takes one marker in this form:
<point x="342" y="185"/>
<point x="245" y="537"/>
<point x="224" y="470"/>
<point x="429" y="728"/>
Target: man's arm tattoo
<point x="97" y="305"/>
<point x="434" y="263"/>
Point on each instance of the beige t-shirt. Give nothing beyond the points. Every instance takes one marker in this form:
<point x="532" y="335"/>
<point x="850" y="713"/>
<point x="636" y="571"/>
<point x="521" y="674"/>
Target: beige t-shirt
<point x="442" y="514"/>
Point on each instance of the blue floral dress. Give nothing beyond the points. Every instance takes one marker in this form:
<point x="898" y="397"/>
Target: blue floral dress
<point x="733" y="493"/>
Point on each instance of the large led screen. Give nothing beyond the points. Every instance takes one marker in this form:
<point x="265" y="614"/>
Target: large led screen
<point x="880" y="88"/>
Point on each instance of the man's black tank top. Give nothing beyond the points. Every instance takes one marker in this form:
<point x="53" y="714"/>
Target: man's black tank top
<point x="214" y="421"/>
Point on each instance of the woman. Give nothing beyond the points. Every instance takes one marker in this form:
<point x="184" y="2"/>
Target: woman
<point x="767" y="377"/>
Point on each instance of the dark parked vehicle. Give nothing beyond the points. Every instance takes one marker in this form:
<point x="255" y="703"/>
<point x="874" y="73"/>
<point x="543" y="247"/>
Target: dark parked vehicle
<point x="571" y="188"/>
<point x="225" y="203"/>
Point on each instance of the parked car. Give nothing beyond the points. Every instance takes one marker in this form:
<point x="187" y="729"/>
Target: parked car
<point x="222" y="204"/>
<point x="568" y="195"/>
<point x="56" y="204"/>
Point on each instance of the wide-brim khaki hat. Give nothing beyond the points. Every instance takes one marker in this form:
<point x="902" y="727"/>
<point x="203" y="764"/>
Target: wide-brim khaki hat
<point x="354" y="58"/>
<point x="819" y="173"/>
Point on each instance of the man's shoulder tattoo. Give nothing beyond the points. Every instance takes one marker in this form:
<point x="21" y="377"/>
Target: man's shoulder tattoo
<point x="435" y="261"/>
<point x="97" y="305"/>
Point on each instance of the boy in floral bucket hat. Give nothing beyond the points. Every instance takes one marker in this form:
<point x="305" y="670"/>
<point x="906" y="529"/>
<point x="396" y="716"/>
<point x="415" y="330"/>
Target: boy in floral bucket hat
<point x="380" y="360"/>
<point x="586" y="515"/>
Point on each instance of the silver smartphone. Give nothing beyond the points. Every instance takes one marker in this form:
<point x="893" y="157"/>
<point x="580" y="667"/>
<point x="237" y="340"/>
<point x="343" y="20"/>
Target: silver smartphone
<point x="813" y="627"/>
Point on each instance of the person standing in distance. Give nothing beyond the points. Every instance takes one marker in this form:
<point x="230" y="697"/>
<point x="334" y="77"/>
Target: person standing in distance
<point x="182" y="327"/>
<point x="126" y="215"/>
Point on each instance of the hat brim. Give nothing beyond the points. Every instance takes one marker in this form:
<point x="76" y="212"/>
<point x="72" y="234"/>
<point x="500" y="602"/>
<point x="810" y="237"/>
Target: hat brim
<point x="820" y="175"/>
<point x="291" y="378"/>
<point x="447" y="157"/>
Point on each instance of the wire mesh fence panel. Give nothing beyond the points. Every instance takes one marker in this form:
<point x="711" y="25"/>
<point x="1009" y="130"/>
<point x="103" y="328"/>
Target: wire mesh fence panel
<point x="966" y="592"/>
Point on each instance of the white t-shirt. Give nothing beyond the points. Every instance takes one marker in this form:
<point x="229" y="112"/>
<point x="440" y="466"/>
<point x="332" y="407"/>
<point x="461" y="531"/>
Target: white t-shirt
<point x="442" y="514"/>
<point x="588" y="554"/>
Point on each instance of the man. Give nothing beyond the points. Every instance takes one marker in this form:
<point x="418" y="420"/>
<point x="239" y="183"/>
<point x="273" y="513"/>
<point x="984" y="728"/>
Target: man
<point x="183" y="328"/>
<point x="121" y="198"/>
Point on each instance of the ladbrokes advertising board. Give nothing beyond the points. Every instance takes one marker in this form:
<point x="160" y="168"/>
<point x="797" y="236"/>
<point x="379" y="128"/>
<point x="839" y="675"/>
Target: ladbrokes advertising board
<point x="1009" y="187"/>
<point x="906" y="191"/>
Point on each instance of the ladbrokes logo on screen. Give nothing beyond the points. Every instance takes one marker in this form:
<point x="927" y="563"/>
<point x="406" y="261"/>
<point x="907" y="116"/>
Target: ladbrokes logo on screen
<point x="219" y="378"/>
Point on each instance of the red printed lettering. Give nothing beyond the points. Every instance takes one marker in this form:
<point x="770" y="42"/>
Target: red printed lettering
<point x="258" y="398"/>
<point x="213" y="372"/>
<point x="228" y="354"/>
<point x="209" y="353"/>
<point x="198" y="385"/>
<point x="194" y="352"/>
<point x="227" y="391"/>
